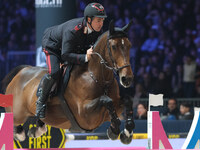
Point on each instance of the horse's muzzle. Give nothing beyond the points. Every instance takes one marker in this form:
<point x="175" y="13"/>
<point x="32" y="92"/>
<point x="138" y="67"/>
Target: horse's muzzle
<point x="126" y="81"/>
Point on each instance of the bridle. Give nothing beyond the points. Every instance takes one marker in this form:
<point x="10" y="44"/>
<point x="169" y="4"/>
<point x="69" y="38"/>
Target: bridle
<point x="114" y="66"/>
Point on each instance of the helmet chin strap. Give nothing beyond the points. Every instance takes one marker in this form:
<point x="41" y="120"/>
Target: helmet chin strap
<point x="91" y="26"/>
<point x="90" y="23"/>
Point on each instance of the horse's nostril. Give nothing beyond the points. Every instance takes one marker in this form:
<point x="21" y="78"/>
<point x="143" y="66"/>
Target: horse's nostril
<point x="127" y="81"/>
<point x="123" y="79"/>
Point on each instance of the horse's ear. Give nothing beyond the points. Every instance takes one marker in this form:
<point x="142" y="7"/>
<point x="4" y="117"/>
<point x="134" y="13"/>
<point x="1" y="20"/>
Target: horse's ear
<point x="126" y="27"/>
<point x="111" y="27"/>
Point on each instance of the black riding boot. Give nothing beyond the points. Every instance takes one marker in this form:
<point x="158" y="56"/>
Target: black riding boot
<point x="43" y="94"/>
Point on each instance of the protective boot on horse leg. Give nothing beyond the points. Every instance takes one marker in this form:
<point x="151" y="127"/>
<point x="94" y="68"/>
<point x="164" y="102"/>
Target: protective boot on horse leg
<point x="127" y="134"/>
<point x="46" y="84"/>
<point x="114" y="130"/>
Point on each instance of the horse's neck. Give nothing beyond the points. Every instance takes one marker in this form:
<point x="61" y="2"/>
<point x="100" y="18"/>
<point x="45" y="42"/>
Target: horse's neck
<point x="99" y="70"/>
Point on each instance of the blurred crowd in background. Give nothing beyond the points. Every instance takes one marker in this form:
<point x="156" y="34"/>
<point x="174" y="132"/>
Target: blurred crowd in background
<point x="171" y="111"/>
<point x="165" y="37"/>
<point x="17" y="29"/>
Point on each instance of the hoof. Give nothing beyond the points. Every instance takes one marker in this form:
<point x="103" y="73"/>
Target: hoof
<point x="36" y="132"/>
<point x="32" y="132"/>
<point x="126" y="137"/>
<point x="42" y="130"/>
<point x="20" y="136"/>
<point x="111" y="135"/>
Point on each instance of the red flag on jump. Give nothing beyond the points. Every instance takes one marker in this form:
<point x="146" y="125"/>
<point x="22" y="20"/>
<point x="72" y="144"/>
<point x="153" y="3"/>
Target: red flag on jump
<point x="6" y="100"/>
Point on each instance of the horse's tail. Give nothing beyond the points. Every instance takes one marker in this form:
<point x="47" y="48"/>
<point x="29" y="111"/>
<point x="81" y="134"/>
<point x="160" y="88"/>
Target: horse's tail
<point x="8" y="78"/>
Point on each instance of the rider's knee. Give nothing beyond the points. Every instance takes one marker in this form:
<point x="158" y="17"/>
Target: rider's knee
<point x="55" y="75"/>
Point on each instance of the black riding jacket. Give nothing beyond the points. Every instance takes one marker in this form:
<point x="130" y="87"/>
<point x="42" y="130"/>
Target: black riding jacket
<point x="69" y="41"/>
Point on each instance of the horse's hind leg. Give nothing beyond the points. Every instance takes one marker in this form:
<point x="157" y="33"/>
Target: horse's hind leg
<point x="39" y="130"/>
<point x="19" y="133"/>
<point x="127" y="133"/>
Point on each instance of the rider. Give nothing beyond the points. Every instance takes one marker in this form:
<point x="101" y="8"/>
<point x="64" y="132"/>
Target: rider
<point x="68" y="42"/>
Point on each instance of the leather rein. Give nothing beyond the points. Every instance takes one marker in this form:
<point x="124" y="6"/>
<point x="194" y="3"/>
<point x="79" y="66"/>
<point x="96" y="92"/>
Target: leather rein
<point x="114" y="67"/>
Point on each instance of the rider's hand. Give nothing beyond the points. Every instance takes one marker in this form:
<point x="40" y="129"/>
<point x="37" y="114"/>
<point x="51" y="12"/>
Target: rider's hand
<point x="89" y="53"/>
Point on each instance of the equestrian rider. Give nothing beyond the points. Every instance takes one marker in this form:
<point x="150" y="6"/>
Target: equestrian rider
<point x="68" y="42"/>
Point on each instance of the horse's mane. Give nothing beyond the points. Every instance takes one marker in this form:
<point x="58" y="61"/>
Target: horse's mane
<point x="100" y="39"/>
<point x="8" y="78"/>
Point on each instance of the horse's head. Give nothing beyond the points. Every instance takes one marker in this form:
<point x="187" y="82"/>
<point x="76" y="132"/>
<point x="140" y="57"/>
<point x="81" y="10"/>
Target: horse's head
<point x="118" y="48"/>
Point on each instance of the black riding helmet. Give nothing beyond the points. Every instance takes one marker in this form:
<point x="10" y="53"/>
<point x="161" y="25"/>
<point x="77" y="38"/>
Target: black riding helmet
<point x="94" y="10"/>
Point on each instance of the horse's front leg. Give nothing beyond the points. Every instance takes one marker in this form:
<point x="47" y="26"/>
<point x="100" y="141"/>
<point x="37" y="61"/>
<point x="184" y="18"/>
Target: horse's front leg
<point x="127" y="134"/>
<point x="114" y="130"/>
<point x="37" y="131"/>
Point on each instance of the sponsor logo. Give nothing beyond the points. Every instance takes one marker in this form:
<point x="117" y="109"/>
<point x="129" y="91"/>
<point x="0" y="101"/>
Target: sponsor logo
<point x="48" y="3"/>
<point x="53" y="138"/>
<point x="98" y="7"/>
<point x="92" y="138"/>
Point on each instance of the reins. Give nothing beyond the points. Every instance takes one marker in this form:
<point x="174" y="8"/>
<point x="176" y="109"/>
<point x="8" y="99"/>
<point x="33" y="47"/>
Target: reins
<point x="114" y="67"/>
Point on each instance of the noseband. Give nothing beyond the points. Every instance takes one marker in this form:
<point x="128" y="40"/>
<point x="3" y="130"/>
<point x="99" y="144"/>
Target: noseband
<point x="114" y="66"/>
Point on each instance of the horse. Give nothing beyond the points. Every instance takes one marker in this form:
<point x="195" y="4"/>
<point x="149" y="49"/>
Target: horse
<point x="92" y="92"/>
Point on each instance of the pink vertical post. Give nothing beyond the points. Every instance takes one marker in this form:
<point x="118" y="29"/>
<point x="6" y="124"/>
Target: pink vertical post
<point x="159" y="137"/>
<point x="6" y="131"/>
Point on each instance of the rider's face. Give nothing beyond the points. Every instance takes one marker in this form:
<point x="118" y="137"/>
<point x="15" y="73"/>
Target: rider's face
<point x="97" y="23"/>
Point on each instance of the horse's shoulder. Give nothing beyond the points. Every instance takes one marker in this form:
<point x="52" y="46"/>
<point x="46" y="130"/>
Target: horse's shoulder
<point x="79" y="69"/>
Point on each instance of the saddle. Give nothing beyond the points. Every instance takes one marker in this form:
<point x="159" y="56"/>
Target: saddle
<point x="62" y="82"/>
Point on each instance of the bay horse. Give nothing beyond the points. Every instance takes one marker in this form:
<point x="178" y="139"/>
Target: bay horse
<point x="92" y="92"/>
